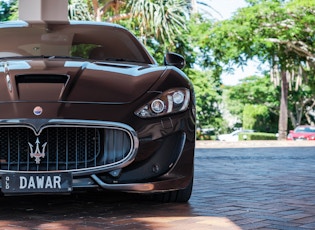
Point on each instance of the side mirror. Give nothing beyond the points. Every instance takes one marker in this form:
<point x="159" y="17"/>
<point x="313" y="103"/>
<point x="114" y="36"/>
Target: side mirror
<point x="174" y="59"/>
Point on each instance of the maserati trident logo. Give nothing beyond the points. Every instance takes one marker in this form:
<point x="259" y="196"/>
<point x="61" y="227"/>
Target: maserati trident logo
<point x="37" y="153"/>
<point x="38" y="110"/>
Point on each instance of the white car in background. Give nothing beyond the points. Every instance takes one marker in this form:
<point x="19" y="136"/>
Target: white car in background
<point x="234" y="136"/>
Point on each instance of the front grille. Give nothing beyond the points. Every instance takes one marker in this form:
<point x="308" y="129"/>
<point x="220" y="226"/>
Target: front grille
<point x="65" y="148"/>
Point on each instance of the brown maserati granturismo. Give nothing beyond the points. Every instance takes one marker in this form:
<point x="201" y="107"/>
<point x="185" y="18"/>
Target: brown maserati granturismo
<point x="84" y="106"/>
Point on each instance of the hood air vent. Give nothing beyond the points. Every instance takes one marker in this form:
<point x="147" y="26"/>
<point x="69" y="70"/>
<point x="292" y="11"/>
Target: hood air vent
<point x="40" y="78"/>
<point x="47" y="87"/>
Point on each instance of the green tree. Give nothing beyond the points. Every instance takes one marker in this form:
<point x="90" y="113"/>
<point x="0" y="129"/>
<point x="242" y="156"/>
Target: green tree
<point x="8" y="10"/>
<point x="255" y="91"/>
<point x="278" y="32"/>
<point x="256" y="117"/>
<point x="208" y="99"/>
<point x="4" y="11"/>
<point x="301" y="105"/>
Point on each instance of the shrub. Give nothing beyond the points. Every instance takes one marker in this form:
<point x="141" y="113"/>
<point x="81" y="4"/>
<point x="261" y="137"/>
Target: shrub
<point x="257" y="136"/>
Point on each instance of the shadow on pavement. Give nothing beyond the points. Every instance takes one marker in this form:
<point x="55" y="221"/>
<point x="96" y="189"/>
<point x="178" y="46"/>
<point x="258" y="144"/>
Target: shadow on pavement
<point x="95" y="211"/>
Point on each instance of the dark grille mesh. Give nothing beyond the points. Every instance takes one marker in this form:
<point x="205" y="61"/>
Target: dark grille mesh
<point x="67" y="148"/>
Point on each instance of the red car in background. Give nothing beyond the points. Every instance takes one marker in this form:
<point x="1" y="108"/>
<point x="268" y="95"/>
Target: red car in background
<point x="302" y="133"/>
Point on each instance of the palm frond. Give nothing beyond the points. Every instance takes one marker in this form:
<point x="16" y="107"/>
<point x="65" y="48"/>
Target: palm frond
<point x="79" y="10"/>
<point x="165" y="18"/>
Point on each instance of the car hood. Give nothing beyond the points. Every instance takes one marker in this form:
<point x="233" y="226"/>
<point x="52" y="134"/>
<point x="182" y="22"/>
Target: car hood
<point x="53" y="80"/>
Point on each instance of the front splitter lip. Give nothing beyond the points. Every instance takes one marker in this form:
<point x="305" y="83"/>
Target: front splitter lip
<point x="140" y="187"/>
<point x="148" y="187"/>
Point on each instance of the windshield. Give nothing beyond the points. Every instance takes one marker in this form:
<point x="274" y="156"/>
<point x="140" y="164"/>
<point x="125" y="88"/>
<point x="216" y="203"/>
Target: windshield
<point x="91" y="41"/>
<point x="305" y="130"/>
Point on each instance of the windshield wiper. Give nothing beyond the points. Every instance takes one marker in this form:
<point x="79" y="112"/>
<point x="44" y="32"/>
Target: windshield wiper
<point x="65" y="57"/>
<point x="119" y="60"/>
<point x="41" y="56"/>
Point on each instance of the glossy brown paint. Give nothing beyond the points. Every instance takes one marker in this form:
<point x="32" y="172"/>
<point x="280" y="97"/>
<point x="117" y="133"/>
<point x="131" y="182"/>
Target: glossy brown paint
<point x="107" y="91"/>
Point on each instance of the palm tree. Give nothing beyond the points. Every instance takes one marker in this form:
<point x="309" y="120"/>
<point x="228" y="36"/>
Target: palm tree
<point x="162" y="18"/>
<point x="79" y="10"/>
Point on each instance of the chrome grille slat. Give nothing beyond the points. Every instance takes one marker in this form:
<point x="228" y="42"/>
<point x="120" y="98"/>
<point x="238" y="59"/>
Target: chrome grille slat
<point x="69" y="148"/>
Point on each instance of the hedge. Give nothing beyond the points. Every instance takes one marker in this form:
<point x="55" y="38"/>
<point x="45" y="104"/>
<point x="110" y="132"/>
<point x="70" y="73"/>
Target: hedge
<point x="257" y="136"/>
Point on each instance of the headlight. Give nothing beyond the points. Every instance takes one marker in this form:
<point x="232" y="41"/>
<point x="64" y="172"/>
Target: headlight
<point x="157" y="106"/>
<point x="170" y="101"/>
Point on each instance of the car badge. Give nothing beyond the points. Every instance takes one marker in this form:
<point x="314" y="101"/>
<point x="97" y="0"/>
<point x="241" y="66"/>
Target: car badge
<point x="38" y="153"/>
<point x="38" y="110"/>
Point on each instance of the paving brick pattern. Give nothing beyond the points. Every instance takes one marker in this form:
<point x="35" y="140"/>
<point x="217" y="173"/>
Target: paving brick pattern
<point x="257" y="188"/>
<point x="254" y="185"/>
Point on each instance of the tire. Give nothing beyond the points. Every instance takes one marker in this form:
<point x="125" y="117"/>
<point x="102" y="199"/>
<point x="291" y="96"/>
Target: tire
<point x="178" y="196"/>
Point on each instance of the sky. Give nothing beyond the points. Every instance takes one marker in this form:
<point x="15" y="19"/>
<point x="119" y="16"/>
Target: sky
<point x="226" y="8"/>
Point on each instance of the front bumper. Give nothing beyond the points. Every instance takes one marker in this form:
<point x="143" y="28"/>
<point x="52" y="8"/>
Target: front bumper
<point x="163" y="164"/>
<point x="160" y="173"/>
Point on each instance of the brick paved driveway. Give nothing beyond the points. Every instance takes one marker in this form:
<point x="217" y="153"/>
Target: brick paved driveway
<point x="257" y="188"/>
<point x="248" y="186"/>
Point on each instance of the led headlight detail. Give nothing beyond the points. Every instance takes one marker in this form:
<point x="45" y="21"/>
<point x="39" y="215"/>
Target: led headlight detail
<point x="157" y="106"/>
<point x="170" y="101"/>
<point x="178" y="97"/>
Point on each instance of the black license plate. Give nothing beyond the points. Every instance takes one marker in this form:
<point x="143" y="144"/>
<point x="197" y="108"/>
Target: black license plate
<point x="36" y="183"/>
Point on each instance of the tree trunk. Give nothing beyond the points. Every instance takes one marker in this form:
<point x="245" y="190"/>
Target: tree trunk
<point x="283" y="118"/>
